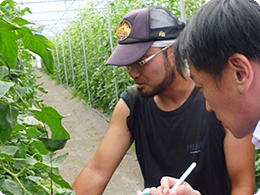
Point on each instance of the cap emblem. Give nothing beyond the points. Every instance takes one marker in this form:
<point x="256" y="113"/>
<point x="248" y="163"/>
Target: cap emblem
<point x="123" y="30"/>
<point x="162" y="34"/>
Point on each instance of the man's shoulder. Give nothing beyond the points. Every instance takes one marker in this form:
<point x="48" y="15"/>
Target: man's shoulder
<point x="130" y="92"/>
<point x="132" y="89"/>
<point x="133" y="98"/>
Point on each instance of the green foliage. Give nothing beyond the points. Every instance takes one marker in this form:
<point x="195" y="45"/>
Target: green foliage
<point x="14" y="32"/>
<point x="8" y="120"/>
<point x="52" y="118"/>
<point x="27" y="162"/>
<point x="257" y="170"/>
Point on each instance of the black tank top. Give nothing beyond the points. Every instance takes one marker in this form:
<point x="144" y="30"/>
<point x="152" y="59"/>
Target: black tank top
<point x="168" y="142"/>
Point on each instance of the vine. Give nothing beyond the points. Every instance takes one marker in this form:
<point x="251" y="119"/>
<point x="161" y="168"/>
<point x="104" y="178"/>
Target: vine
<point x="27" y="165"/>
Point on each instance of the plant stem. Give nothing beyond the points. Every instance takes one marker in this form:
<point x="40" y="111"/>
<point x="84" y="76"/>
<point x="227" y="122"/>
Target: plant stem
<point x="15" y="176"/>
<point x="9" y="69"/>
<point x="51" y="154"/>
<point x="44" y="188"/>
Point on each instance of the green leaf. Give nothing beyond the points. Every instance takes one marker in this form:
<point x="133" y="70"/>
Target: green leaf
<point x="4" y="87"/>
<point x="41" y="89"/>
<point x="28" y="120"/>
<point x="3" y="72"/>
<point x="25" y="10"/>
<point x="29" y="185"/>
<point x="18" y="128"/>
<point x="69" y="193"/>
<point x="56" y="162"/>
<point x="41" y="46"/>
<point x="34" y="178"/>
<point x="55" y="176"/>
<point x="21" y="21"/>
<point x="52" y="118"/>
<point x="40" y="147"/>
<point x="32" y="133"/>
<point x="19" y="163"/>
<point x="20" y="90"/>
<point x="19" y="33"/>
<point x="21" y="152"/>
<point x="8" y="48"/>
<point x="8" y="119"/>
<point x="59" y="180"/>
<point x="3" y="3"/>
<point x="10" y="186"/>
<point x="12" y="3"/>
<point x="45" y="41"/>
<point x="9" y="150"/>
<point x="53" y="144"/>
<point x="31" y="161"/>
<point x="6" y="26"/>
<point x="6" y="157"/>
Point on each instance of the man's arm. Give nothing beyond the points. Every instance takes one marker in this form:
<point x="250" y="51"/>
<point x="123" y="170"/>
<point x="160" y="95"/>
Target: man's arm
<point x="94" y="177"/>
<point x="240" y="159"/>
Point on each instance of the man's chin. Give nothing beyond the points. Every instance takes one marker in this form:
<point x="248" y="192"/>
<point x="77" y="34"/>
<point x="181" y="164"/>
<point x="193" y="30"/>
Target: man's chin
<point x="144" y="93"/>
<point x="239" y="133"/>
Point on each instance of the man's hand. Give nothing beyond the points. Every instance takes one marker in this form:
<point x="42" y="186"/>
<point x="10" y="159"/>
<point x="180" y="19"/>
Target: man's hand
<point x="153" y="191"/>
<point x="165" y="189"/>
<point x="184" y="189"/>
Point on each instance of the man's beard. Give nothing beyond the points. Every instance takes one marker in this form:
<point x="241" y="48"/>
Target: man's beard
<point x="167" y="81"/>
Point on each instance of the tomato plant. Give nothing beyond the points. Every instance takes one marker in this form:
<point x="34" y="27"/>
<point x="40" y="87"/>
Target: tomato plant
<point x="28" y="164"/>
<point x="257" y="169"/>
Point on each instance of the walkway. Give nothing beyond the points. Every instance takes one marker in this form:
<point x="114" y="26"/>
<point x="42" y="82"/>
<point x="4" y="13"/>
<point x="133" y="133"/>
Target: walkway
<point x="87" y="128"/>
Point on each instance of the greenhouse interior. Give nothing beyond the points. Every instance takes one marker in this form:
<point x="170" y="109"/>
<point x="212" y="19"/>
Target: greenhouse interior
<point x="65" y="43"/>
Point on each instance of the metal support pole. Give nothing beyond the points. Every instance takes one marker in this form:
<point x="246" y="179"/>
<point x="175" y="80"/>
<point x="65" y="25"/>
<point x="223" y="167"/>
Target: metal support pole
<point x="64" y="61"/>
<point x="54" y="61"/>
<point x="183" y="15"/>
<point x="111" y="46"/>
<point x="57" y="56"/>
<point x="71" y="59"/>
<point x="84" y="52"/>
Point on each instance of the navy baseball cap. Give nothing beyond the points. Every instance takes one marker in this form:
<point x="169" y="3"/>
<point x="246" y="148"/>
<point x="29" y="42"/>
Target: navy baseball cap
<point x="139" y="29"/>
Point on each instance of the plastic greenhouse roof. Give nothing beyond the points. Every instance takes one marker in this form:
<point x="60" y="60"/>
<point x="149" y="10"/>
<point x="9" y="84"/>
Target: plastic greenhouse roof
<point x="52" y="15"/>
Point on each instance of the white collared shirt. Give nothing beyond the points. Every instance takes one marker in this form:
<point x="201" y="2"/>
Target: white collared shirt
<point x="256" y="135"/>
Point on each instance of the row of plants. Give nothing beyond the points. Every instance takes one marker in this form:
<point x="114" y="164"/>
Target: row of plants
<point x="28" y="162"/>
<point x="257" y="170"/>
<point x="101" y="78"/>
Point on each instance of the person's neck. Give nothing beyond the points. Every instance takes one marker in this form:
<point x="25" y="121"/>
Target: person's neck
<point x="176" y="94"/>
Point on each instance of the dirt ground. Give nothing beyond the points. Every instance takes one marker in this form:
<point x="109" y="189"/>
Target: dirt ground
<point x="87" y="127"/>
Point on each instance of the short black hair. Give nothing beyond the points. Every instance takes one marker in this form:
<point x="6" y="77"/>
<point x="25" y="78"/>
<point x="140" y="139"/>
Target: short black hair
<point x="220" y="29"/>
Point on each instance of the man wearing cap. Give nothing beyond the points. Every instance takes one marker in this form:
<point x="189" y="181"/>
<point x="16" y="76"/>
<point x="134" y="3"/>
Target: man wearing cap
<point x="165" y="115"/>
<point x="222" y="46"/>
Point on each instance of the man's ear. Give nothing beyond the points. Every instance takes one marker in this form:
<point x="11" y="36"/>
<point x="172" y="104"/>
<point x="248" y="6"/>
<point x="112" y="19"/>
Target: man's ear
<point x="169" y="51"/>
<point x="170" y="55"/>
<point x="242" y="71"/>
